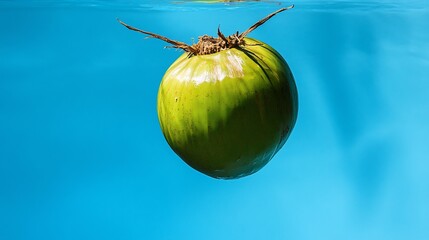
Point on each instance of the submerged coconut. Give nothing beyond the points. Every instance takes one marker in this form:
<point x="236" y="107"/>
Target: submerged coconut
<point x="228" y="104"/>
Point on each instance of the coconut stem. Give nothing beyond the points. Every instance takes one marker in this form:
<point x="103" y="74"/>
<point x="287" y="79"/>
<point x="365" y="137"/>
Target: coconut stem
<point x="176" y="44"/>
<point x="207" y="44"/>
<point x="262" y="21"/>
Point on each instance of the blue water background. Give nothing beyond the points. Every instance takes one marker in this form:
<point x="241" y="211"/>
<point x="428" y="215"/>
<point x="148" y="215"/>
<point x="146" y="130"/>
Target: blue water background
<point x="82" y="155"/>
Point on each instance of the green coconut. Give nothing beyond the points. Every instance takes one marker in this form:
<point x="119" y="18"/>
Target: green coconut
<point x="228" y="104"/>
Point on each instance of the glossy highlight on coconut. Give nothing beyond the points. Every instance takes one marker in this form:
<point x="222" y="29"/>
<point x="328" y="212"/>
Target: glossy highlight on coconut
<point x="228" y="104"/>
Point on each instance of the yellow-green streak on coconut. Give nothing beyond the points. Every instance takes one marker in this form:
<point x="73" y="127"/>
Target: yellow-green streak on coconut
<point x="228" y="104"/>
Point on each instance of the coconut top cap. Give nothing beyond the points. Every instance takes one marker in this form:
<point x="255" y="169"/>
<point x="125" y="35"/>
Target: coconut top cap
<point x="208" y="44"/>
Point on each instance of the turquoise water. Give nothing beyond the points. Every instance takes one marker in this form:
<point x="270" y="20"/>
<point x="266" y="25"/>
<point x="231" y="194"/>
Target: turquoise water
<point x="82" y="155"/>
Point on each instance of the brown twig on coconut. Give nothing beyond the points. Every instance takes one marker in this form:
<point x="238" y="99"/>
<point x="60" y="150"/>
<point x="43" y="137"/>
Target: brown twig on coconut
<point x="208" y="44"/>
